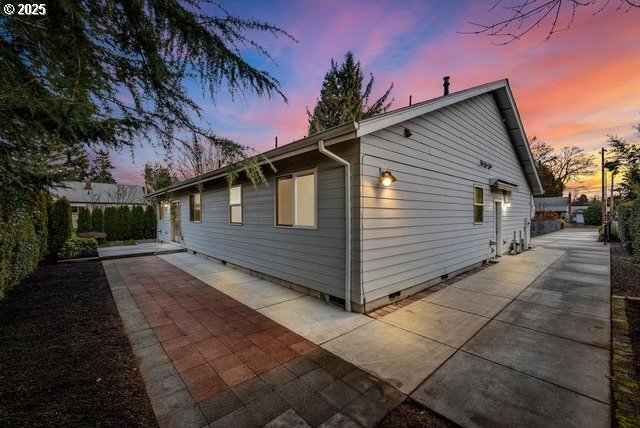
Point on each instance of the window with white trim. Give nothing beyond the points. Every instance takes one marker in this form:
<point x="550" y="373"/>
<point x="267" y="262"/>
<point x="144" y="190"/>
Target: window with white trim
<point x="296" y="200"/>
<point x="164" y="210"/>
<point x="235" y="204"/>
<point x="195" y="207"/>
<point x="478" y="204"/>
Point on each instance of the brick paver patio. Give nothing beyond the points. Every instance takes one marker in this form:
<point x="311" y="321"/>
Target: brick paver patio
<point x="208" y="359"/>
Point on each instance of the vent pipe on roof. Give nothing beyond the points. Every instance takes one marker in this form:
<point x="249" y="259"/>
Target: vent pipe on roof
<point x="446" y="84"/>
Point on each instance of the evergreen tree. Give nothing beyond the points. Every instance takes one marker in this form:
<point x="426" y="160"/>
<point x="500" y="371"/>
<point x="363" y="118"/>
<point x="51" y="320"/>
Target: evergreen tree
<point x="123" y="215"/>
<point x="101" y="168"/>
<point x="60" y="225"/>
<point x="343" y="98"/>
<point x="97" y="220"/>
<point x="107" y="72"/>
<point x="157" y="176"/>
<point x="84" y="220"/>
<point x="76" y="166"/>
<point x="110" y="224"/>
<point x="136" y="223"/>
<point x="150" y="223"/>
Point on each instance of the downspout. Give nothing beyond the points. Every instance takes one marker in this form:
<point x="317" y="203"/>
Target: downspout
<point x="347" y="215"/>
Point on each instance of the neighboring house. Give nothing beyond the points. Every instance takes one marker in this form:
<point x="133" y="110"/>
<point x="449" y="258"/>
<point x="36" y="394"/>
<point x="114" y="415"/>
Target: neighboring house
<point x="555" y="204"/>
<point x="431" y="188"/>
<point x="577" y="213"/>
<point x="101" y="195"/>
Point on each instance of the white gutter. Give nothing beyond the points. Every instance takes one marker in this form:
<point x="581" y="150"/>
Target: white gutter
<point x="347" y="214"/>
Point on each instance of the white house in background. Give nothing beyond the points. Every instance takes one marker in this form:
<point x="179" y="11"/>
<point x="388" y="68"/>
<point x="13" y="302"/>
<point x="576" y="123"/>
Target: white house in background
<point x="99" y="195"/>
<point x="577" y="213"/>
<point x="373" y="211"/>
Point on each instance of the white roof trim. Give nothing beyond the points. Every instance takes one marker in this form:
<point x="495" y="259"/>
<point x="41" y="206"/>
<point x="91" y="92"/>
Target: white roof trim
<point x="376" y="123"/>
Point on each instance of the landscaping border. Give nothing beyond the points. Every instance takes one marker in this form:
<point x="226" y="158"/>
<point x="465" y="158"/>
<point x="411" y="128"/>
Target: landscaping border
<point x="624" y="387"/>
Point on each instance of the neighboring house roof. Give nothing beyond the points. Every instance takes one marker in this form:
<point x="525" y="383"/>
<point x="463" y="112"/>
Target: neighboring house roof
<point x="502" y="94"/>
<point x="551" y="203"/>
<point x="100" y="193"/>
<point x="578" y="209"/>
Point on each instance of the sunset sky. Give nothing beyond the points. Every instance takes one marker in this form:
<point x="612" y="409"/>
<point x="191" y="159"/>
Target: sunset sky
<point x="572" y="89"/>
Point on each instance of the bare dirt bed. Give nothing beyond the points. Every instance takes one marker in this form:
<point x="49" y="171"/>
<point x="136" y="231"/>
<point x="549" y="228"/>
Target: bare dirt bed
<point x="625" y="273"/>
<point x="65" y="360"/>
<point x="412" y="414"/>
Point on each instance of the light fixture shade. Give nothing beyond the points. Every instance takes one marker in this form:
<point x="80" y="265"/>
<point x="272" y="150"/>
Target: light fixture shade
<point x="386" y="178"/>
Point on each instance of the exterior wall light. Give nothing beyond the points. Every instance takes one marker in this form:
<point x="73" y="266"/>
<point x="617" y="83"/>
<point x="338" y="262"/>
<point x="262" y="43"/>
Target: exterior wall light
<point x="386" y="178"/>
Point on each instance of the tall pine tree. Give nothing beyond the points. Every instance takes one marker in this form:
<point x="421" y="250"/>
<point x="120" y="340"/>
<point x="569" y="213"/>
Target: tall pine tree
<point x="101" y="168"/>
<point x="343" y="98"/>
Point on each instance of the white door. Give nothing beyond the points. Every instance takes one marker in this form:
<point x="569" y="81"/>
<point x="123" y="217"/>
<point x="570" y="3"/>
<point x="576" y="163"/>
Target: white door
<point x="497" y="221"/>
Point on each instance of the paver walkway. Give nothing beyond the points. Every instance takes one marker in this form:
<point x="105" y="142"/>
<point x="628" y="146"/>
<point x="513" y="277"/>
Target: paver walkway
<point x="208" y="359"/>
<point x="521" y="343"/>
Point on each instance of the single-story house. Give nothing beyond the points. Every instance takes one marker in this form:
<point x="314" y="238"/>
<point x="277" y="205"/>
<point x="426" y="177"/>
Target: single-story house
<point x="577" y="213"/>
<point x="555" y="204"/>
<point x="99" y="195"/>
<point x="372" y="211"/>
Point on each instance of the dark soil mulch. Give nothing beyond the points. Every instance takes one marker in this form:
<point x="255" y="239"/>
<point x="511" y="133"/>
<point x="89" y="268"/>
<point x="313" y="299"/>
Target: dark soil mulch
<point x="65" y="360"/>
<point x="412" y="414"/>
<point x="625" y="273"/>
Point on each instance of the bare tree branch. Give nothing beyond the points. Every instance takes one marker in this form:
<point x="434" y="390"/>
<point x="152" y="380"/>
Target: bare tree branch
<point x="524" y="16"/>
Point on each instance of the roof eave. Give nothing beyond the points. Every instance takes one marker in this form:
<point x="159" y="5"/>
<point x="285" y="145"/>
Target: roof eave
<point x="330" y="136"/>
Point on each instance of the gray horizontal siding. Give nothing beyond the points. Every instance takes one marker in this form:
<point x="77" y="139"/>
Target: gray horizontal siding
<point x="421" y="227"/>
<point x="313" y="258"/>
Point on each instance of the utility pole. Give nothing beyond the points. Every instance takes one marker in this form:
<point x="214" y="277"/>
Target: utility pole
<point x="604" y="201"/>
<point x="613" y="174"/>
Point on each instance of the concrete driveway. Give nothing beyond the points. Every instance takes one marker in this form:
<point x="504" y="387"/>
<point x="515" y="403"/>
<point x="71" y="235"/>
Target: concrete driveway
<point x="521" y="343"/>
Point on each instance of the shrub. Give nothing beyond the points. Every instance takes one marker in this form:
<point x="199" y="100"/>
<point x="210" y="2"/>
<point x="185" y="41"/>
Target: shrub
<point x="593" y="214"/>
<point x="564" y="224"/>
<point x="625" y="220"/>
<point x="110" y="226"/>
<point x="122" y="222"/>
<point x="76" y="248"/>
<point x="84" y="220"/>
<point x="150" y="223"/>
<point x="60" y="225"/>
<point x="613" y="233"/>
<point x="136" y="223"/>
<point x="23" y="236"/>
<point x="97" y="220"/>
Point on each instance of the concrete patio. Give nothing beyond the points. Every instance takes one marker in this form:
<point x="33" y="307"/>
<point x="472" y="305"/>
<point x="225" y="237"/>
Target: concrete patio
<point x="140" y="249"/>
<point x="524" y="342"/>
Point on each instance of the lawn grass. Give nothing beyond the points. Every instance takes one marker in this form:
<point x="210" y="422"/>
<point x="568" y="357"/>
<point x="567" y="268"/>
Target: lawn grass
<point x="65" y="359"/>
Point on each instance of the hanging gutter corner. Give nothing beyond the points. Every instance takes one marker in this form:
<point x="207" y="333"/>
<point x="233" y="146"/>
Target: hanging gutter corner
<point x="347" y="197"/>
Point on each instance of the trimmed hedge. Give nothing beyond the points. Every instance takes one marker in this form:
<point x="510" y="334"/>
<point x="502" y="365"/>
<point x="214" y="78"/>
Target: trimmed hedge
<point x="593" y="214"/>
<point x="123" y="215"/>
<point x="23" y="236"/>
<point x="136" y="223"/>
<point x="97" y="220"/>
<point x="77" y="247"/>
<point x="629" y="226"/>
<point x="84" y="220"/>
<point x="110" y="227"/>
<point x="150" y="223"/>
<point x="60" y="225"/>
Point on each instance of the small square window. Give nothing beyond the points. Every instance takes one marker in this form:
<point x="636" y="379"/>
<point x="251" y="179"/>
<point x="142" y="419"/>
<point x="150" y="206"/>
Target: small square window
<point x="296" y="200"/>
